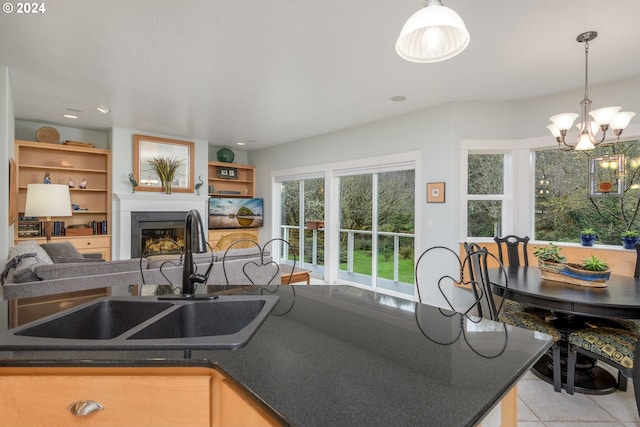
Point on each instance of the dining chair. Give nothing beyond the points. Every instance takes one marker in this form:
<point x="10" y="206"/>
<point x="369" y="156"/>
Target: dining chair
<point x="616" y="347"/>
<point x="476" y="261"/>
<point x="513" y="244"/>
<point x="470" y="248"/>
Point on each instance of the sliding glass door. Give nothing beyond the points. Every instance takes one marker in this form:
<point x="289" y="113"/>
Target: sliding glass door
<point x="377" y="230"/>
<point x="302" y="222"/>
<point x="353" y="222"/>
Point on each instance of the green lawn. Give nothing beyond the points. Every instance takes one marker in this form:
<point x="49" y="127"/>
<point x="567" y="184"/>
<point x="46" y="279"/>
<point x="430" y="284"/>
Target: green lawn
<point x="362" y="265"/>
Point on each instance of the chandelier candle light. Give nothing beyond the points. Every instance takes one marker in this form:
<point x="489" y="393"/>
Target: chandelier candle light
<point x="603" y="118"/>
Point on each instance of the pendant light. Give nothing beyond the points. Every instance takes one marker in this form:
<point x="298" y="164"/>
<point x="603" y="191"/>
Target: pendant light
<point x="432" y="34"/>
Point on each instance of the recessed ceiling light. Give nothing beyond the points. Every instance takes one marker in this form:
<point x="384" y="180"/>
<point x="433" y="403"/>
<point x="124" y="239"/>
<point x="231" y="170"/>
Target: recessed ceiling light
<point x="398" y="98"/>
<point x="70" y="116"/>
<point x="241" y="143"/>
<point x="103" y="109"/>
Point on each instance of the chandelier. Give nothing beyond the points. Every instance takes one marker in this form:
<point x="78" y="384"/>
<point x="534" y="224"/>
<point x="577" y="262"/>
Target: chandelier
<point x="432" y="34"/>
<point x="603" y="118"/>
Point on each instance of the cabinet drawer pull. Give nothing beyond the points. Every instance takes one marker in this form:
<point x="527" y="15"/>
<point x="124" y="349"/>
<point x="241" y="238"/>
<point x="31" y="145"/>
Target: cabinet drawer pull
<point x="82" y="408"/>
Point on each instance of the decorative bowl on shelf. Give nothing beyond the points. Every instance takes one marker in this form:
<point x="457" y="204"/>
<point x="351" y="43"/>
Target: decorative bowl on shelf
<point x="225" y="155"/>
<point x="48" y="134"/>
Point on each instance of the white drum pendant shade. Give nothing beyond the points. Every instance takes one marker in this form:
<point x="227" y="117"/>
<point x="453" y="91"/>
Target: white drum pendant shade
<point x="432" y="34"/>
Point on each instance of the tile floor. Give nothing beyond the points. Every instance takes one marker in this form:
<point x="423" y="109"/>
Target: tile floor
<point x="540" y="406"/>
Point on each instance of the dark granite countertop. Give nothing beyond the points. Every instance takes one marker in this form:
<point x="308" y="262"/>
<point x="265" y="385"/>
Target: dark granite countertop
<point x="343" y="356"/>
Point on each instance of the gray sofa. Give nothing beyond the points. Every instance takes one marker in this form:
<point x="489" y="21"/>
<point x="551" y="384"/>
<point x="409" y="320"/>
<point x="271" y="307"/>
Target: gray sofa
<point x="59" y="268"/>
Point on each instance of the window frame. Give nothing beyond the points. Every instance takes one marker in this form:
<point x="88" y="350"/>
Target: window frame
<point x="331" y="173"/>
<point x="519" y="171"/>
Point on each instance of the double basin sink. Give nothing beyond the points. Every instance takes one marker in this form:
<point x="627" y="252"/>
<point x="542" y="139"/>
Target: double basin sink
<point x="115" y="323"/>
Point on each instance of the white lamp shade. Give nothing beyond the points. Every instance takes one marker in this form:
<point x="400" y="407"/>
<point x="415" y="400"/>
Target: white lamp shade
<point x="554" y="130"/>
<point x="564" y="121"/>
<point x="584" y="142"/>
<point x="432" y="34"/>
<point x="621" y="120"/>
<point x="604" y="115"/>
<point x="47" y="200"/>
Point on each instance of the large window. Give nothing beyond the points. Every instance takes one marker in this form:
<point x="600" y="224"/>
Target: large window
<point x="485" y="194"/>
<point x="597" y="189"/>
<point x="353" y="222"/>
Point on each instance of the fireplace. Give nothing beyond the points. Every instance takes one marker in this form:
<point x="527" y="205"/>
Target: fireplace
<point x="154" y="233"/>
<point x="139" y="202"/>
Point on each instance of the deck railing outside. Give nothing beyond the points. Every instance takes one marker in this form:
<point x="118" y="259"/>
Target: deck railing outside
<point x="351" y="241"/>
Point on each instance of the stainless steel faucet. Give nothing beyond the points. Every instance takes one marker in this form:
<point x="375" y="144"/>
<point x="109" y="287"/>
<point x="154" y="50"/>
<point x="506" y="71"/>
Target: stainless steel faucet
<point x="195" y="241"/>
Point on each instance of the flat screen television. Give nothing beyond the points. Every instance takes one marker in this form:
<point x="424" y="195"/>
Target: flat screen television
<point x="235" y="213"/>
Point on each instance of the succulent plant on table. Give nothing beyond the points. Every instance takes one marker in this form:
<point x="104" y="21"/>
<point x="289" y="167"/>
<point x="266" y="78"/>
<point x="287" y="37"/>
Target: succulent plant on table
<point x="549" y="253"/>
<point x="593" y="263"/>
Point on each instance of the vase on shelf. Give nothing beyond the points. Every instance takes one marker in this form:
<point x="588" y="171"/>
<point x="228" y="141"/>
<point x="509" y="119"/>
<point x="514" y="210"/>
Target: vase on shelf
<point x="166" y="186"/>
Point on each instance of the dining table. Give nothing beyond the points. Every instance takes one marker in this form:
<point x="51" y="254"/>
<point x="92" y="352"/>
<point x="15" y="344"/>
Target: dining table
<point x="573" y="307"/>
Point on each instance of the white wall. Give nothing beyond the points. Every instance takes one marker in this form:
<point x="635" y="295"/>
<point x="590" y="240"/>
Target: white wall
<point x="7" y="132"/>
<point x="410" y="132"/>
<point x="26" y="130"/>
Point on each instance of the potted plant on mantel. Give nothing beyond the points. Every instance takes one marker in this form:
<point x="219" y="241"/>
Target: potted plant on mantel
<point x="166" y="168"/>
<point x="591" y="272"/>
<point x="588" y="236"/>
<point x="629" y="238"/>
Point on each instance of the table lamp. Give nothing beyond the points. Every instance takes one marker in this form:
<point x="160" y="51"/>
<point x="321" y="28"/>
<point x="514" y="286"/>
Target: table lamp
<point x="47" y="200"/>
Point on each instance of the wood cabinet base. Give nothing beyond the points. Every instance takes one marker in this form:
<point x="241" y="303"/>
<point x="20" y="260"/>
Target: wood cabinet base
<point x="163" y="396"/>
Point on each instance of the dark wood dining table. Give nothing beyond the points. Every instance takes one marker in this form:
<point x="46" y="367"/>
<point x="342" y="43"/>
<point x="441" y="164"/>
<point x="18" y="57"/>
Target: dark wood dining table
<point x="572" y="306"/>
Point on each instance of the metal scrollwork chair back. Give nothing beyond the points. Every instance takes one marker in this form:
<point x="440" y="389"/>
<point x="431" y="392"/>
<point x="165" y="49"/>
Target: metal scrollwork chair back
<point x="478" y="271"/>
<point x="447" y="271"/>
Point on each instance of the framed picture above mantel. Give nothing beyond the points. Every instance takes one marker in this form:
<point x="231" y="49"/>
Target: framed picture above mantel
<point x="148" y="148"/>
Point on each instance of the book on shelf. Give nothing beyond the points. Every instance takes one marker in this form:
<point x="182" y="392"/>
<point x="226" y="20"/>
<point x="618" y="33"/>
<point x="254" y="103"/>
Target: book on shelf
<point x="30" y="227"/>
<point x="34" y="228"/>
<point x="99" y="227"/>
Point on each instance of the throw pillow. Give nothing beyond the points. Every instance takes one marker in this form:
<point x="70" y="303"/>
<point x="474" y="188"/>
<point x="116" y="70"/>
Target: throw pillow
<point x="30" y="246"/>
<point x="62" y="252"/>
<point x="24" y="271"/>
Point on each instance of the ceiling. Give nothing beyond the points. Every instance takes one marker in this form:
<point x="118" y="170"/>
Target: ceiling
<point x="269" y="72"/>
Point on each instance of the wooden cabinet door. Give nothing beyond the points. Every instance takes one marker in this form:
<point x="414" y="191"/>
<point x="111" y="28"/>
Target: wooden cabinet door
<point x="129" y="396"/>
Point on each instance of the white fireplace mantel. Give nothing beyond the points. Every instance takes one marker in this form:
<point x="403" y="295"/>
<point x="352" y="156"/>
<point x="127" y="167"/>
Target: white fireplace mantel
<point x="155" y="202"/>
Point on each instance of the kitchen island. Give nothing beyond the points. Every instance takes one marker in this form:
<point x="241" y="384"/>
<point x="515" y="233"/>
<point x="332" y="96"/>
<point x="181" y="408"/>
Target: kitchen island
<point x="339" y="355"/>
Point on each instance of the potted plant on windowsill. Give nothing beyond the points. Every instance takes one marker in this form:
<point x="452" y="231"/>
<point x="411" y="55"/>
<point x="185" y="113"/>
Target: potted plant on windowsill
<point x="592" y="272"/>
<point x="629" y="238"/>
<point x="588" y="236"/>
